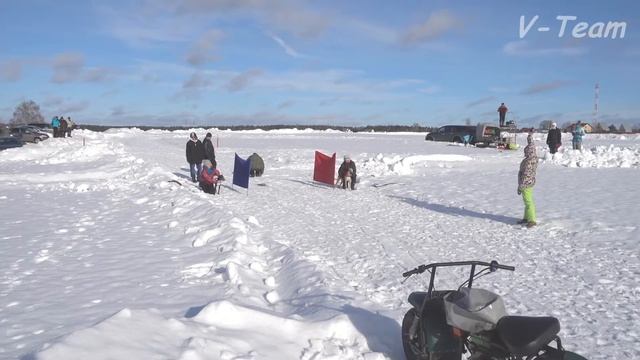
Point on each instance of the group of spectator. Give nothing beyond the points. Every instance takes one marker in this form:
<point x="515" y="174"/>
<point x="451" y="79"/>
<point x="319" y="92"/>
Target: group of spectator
<point x="62" y="127"/>
<point x="201" y="157"/>
<point x="554" y="137"/>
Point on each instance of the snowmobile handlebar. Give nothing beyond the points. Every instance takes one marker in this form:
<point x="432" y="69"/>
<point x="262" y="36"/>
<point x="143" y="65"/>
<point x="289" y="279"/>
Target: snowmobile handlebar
<point x="493" y="266"/>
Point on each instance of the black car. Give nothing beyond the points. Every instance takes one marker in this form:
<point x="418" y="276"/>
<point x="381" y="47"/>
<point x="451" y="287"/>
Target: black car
<point x="451" y="133"/>
<point x="479" y="135"/>
<point x="9" y="142"/>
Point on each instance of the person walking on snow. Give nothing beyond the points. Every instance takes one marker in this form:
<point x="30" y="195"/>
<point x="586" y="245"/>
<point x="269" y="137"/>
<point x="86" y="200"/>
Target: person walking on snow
<point x="554" y="138"/>
<point x="502" y="110"/>
<point x="209" y="151"/>
<point x="578" y="133"/>
<point x="347" y="169"/>
<point x="195" y="155"/>
<point x="526" y="181"/>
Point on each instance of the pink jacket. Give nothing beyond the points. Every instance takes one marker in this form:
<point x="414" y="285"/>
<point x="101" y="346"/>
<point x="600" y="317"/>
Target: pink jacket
<point x="209" y="177"/>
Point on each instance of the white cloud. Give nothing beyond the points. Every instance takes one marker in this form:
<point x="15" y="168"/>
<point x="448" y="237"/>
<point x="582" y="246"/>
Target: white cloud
<point x="197" y="80"/>
<point x="436" y="25"/>
<point x="430" y="90"/>
<point x="480" y="101"/>
<point x="287" y="49"/>
<point x="146" y="25"/>
<point x="70" y="67"/>
<point x="524" y="48"/>
<point x="203" y="51"/>
<point x="241" y="81"/>
<point x="67" y="67"/>
<point x="545" y="87"/>
<point x="11" y="70"/>
<point x="294" y="17"/>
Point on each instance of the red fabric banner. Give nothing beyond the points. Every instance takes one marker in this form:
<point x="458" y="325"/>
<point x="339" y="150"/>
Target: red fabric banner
<point x="324" y="169"/>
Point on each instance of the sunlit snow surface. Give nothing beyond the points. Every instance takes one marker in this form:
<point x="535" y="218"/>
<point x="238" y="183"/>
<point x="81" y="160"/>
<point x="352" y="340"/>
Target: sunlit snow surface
<point x="103" y="257"/>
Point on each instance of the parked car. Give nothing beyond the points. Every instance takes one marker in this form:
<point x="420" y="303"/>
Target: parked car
<point x="485" y="134"/>
<point x="8" y="142"/>
<point x="29" y="133"/>
<point x="451" y="133"/>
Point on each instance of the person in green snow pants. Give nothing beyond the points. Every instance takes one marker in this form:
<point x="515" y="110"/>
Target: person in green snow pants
<point x="529" y="206"/>
<point x="526" y="181"/>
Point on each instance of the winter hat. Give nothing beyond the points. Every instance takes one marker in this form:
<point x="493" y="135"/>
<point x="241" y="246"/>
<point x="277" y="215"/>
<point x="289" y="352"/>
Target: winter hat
<point x="193" y="136"/>
<point x="554" y="125"/>
<point x="347" y="157"/>
<point x="207" y="163"/>
<point x="209" y="135"/>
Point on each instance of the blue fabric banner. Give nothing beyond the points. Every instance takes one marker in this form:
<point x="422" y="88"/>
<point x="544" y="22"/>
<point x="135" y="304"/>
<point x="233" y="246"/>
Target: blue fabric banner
<point x="241" y="170"/>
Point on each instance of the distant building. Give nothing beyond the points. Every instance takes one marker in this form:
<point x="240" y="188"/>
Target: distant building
<point x="586" y="126"/>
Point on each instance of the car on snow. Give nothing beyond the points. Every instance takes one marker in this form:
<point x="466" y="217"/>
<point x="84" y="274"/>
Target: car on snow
<point x="8" y="142"/>
<point x="484" y="134"/>
<point x="29" y="133"/>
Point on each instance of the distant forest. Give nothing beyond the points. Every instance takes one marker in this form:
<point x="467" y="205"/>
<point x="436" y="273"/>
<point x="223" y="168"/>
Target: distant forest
<point x="368" y="128"/>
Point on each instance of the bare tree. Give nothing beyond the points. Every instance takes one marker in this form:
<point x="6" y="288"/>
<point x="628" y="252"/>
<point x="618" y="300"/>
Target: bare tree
<point x="28" y="112"/>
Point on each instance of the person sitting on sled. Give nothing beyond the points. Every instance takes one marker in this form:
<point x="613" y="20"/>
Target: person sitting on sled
<point x="209" y="177"/>
<point x="347" y="173"/>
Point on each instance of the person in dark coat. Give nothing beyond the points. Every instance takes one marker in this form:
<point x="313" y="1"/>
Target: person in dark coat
<point x="195" y="155"/>
<point x="63" y="127"/>
<point x="554" y="138"/>
<point x="209" y="151"/>
<point x="347" y="169"/>
<point x="502" y="110"/>
<point x="257" y="165"/>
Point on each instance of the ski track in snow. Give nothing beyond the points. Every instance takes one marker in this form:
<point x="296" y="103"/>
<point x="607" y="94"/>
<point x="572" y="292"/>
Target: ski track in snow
<point x="106" y="256"/>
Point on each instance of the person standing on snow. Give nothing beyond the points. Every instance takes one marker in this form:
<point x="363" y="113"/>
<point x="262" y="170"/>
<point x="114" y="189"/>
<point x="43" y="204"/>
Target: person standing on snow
<point x="578" y="133"/>
<point x="195" y="155"/>
<point x="63" y="127"/>
<point x="502" y="110"/>
<point x="347" y="169"/>
<point x="70" y="126"/>
<point x="554" y="138"/>
<point x="209" y="151"/>
<point x="55" y="125"/>
<point x="526" y="181"/>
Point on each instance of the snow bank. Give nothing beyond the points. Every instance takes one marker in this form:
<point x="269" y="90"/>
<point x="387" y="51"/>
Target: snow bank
<point x="221" y="330"/>
<point x="381" y="165"/>
<point x="597" y="157"/>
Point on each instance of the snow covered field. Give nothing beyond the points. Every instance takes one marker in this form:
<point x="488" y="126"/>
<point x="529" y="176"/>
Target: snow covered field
<point x="102" y="257"/>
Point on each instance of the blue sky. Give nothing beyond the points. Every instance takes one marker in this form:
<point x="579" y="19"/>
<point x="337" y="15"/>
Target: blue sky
<point x="208" y="62"/>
